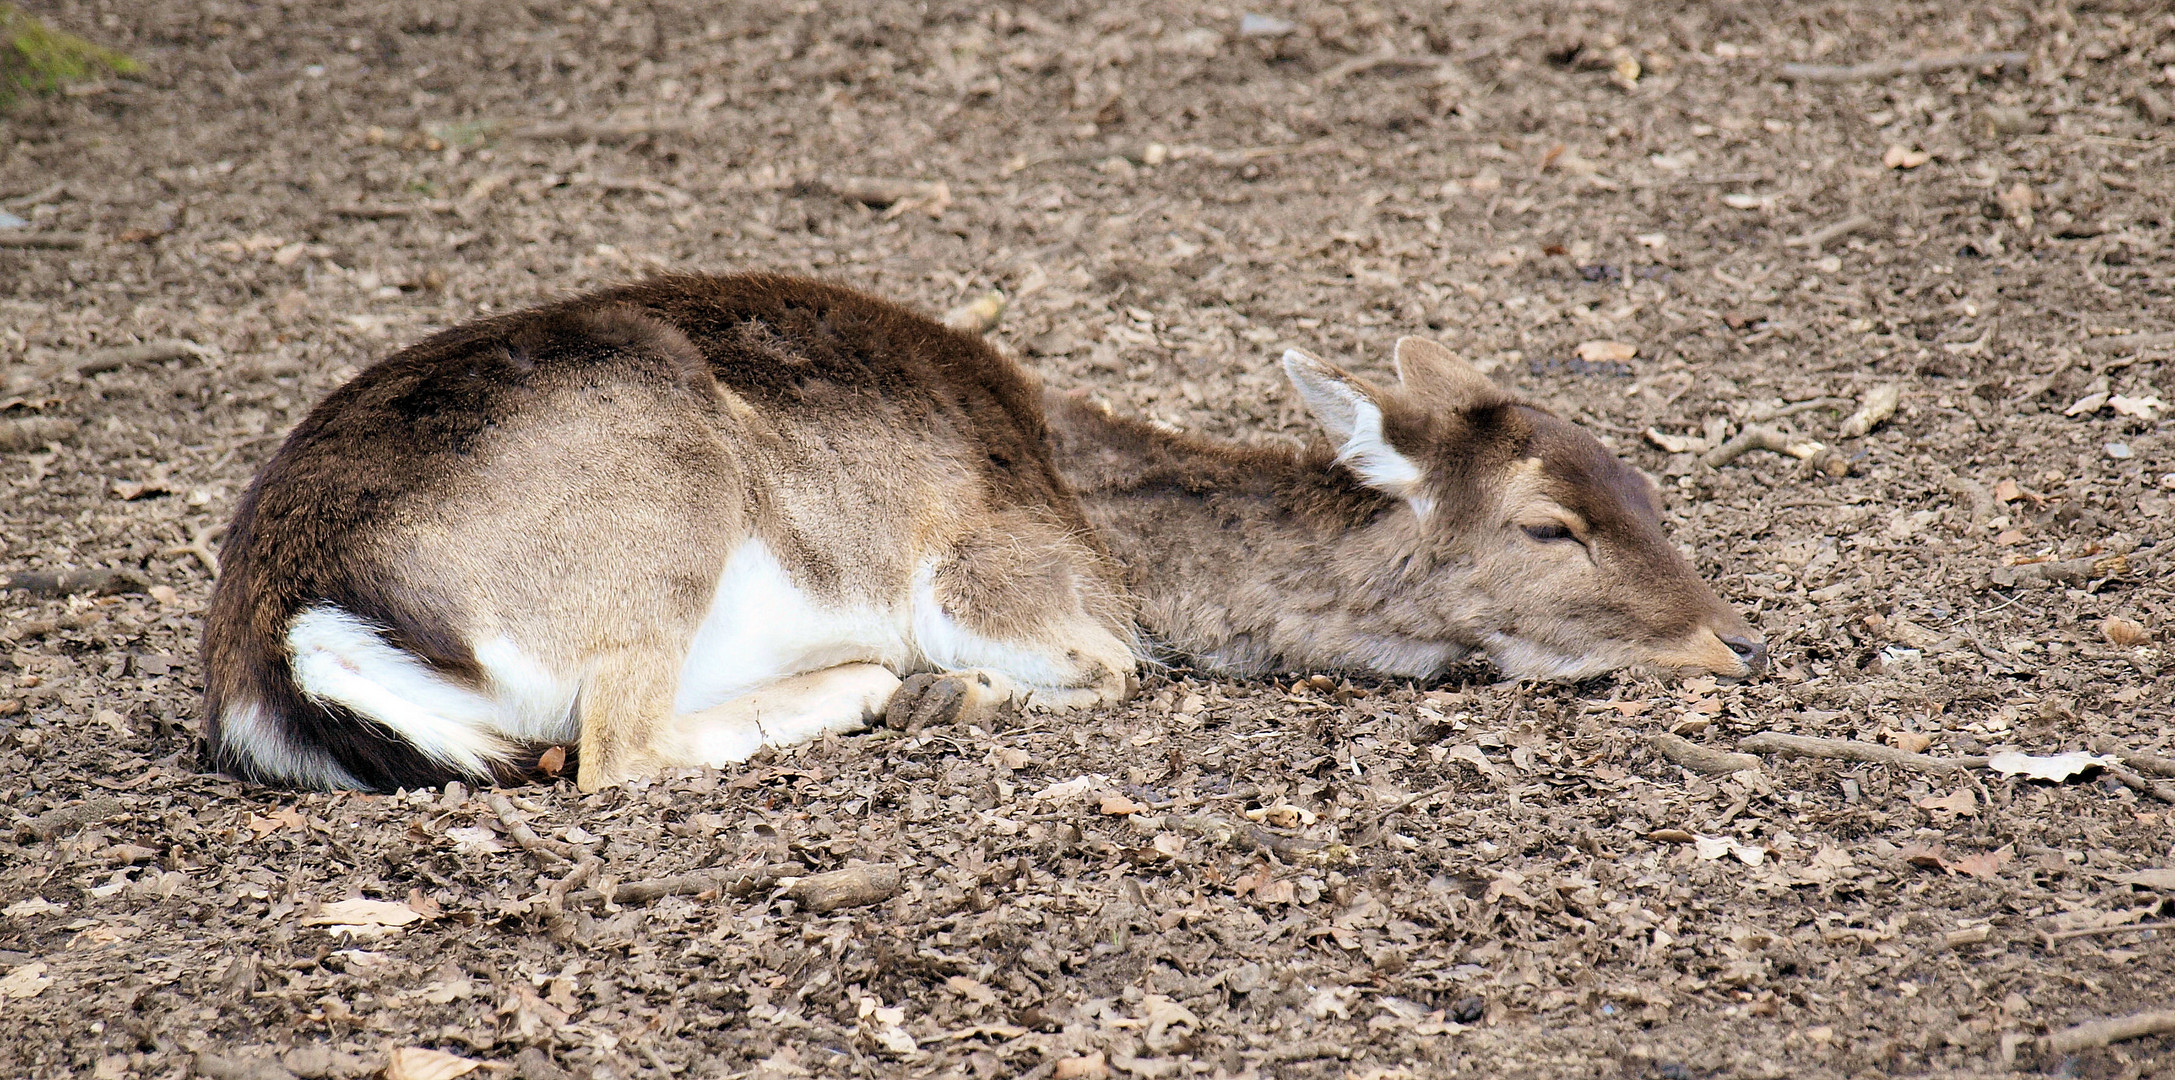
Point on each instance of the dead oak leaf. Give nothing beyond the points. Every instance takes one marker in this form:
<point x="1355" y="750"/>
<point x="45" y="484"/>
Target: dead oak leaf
<point x="421" y="1063"/>
<point x="1986" y="866"/>
<point x="284" y="818"/>
<point x="1962" y="802"/>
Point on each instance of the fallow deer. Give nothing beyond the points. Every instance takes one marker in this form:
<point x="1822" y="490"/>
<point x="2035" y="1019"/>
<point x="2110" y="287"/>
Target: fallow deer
<point x="673" y="522"/>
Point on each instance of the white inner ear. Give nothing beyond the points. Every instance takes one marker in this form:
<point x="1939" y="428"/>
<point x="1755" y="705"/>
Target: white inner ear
<point x="1375" y="461"/>
<point x="1351" y="418"/>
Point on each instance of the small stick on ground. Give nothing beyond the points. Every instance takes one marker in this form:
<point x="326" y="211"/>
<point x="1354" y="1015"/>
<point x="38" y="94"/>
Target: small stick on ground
<point x="1702" y="759"/>
<point x="1888" y="69"/>
<point x="199" y="545"/>
<point x="25" y="432"/>
<point x="2065" y="572"/>
<point x="1766" y="438"/>
<point x="1776" y="742"/>
<point x="1822" y="237"/>
<point x="2136" y="759"/>
<point x="2163" y="792"/>
<point x="549" y="852"/>
<point x="2102" y="931"/>
<point x="603" y="130"/>
<point x="584" y="870"/>
<point x="2103" y="1032"/>
<point x="51" y="241"/>
<point x="2128" y="342"/>
<point x="740" y="882"/>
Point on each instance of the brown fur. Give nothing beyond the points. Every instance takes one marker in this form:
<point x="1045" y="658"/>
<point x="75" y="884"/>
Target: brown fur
<point x="575" y="477"/>
<point x="1253" y="559"/>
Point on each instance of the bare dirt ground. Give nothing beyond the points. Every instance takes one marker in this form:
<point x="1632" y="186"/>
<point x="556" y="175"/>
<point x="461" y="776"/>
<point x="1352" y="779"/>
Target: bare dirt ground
<point x="1275" y="879"/>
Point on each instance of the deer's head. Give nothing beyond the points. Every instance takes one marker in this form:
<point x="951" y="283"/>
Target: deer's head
<point x="1518" y="534"/>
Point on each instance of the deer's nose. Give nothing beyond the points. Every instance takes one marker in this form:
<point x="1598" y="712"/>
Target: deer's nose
<point x="1750" y="650"/>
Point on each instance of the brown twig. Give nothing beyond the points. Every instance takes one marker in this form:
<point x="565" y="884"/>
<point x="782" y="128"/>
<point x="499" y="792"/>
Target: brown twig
<point x="2065" y="572"/>
<point x="602" y="130"/>
<point x="552" y="853"/>
<point x="1888" y="69"/>
<point x="1776" y="742"/>
<point x="2128" y="342"/>
<point x="2136" y="759"/>
<point x="2142" y="786"/>
<point x="739" y="882"/>
<point x="23" y="433"/>
<point x="48" y="241"/>
<point x="1822" y="237"/>
<point x="199" y="545"/>
<point x="1360" y="65"/>
<point x="1704" y="759"/>
<point x="2103" y="1032"/>
<point x="1819" y="455"/>
<point x="2052" y="936"/>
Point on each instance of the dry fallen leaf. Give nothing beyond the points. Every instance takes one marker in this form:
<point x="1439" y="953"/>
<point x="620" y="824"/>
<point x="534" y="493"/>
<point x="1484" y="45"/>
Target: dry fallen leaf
<point x="1910" y="742"/>
<point x="1986" y="865"/>
<point x="2124" y="632"/>
<point x="1606" y="352"/>
<point x="474" y="840"/>
<point x="2162" y="880"/>
<point x="288" y="818"/>
<point x="1898" y="156"/>
<point x="2090" y="403"/>
<point x="361" y="916"/>
<point x="27" y="981"/>
<point x="418" y="1063"/>
<point x="1119" y="806"/>
<point x="1282" y="815"/>
<point x="1962" y="802"/>
<point x="552" y="761"/>
<point x="2058" y="767"/>
<point x="2142" y="408"/>
<point x="2008" y="491"/>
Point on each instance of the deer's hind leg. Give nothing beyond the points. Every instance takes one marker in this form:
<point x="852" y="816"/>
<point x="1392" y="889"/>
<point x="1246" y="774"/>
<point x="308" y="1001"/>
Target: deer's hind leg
<point x="1022" y="614"/>
<point x="788" y="712"/>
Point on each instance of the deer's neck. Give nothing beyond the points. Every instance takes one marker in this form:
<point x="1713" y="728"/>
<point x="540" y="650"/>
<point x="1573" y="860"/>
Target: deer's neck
<point x="1249" y="560"/>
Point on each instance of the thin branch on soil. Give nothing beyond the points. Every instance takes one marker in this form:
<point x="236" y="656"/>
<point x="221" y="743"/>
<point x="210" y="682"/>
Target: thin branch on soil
<point x="2142" y="786"/>
<point x="2136" y="759"/>
<point x="2103" y="1032"/>
<point x="2101" y="931"/>
<point x="1362" y="64"/>
<point x="199" y="545"/>
<point x="46" y="194"/>
<point x="2065" y="572"/>
<point x="52" y="241"/>
<point x="603" y="130"/>
<point x="552" y="853"/>
<point x="1888" y="69"/>
<point x="745" y="881"/>
<point x="581" y="874"/>
<point x="1818" y="454"/>
<point x="1776" y="742"/>
<point x="26" y="432"/>
<point x="2129" y="342"/>
<point x="1822" y="237"/>
<point x="1703" y="759"/>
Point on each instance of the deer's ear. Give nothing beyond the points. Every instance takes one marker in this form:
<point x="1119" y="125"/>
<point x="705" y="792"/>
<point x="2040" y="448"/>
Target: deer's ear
<point x="1350" y="411"/>
<point x="1438" y="376"/>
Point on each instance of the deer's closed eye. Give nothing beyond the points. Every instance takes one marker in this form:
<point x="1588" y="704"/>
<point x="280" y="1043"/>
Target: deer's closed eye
<point x="1551" y="533"/>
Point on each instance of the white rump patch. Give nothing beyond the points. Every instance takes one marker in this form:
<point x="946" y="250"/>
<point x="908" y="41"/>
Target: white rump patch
<point x="341" y="659"/>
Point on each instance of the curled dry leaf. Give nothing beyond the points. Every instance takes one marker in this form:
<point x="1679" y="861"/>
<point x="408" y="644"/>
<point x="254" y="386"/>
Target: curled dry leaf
<point x="359" y="914"/>
<point x="1118" y="806"/>
<point x="2124" y="633"/>
<point x="1910" y="742"/>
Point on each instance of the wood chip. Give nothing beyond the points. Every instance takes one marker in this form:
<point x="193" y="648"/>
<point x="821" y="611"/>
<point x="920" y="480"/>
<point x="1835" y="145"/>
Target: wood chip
<point x="1776" y="742"/>
<point x="2104" y="1032"/>
<point x="855" y="886"/>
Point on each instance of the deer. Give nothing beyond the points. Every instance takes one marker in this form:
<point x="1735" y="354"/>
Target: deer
<point x="668" y="524"/>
